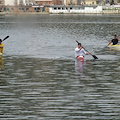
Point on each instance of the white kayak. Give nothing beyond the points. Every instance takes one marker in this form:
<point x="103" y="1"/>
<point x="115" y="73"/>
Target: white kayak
<point x="114" y="47"/>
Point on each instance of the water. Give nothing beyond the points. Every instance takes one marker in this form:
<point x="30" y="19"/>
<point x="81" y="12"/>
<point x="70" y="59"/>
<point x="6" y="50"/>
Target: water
<point x="40" y="78"/>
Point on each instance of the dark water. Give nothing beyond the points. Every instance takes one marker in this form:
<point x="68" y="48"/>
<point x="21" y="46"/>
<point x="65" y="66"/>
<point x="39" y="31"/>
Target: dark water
<point x="40" y="78"/>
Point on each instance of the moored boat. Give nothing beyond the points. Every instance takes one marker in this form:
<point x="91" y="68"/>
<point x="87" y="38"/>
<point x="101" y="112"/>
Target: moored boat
<point x="114" y="47"/>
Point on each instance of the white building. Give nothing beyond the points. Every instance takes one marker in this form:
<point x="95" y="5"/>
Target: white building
<point x="9" y="2"/>
<point x="18" y="2"/>
<point x="75" y="9"/>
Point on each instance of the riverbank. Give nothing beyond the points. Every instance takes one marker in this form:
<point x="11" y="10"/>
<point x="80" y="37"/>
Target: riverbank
<point x="24" y="13"/>
<point x="47" y="13"/>
<point x="111" y="11"/>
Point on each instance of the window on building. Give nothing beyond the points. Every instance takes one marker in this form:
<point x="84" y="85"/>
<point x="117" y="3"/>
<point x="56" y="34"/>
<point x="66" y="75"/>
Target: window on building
<point x="27" y="9"/>
<point x="12" y="9"/>
<point x="0" y="8"/>
<point x="21" y="9"/>
<point x="7" y="9"/>
<point x="36" y="9"/>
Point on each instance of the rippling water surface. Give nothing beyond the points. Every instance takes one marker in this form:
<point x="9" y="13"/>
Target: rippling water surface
<point x="40" y="78"/>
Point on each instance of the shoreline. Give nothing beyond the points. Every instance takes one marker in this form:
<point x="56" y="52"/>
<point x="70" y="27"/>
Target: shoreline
<point x="24" y="13"/>
<point x="115" y="12"/>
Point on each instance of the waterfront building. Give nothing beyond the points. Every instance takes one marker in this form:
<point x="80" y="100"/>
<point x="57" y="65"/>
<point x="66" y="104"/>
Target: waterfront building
<point x="81" y="2"/>
<point x="9" y="2"/>
<point x="30" y="2"/>
<point x="90" y="2"/>
<point x="71" y="2"/>
<point x="2" y="2"/>
<point x="44" y="2"/>
<point x="18" y="2"/>
<point x="75" y="9"/>
<point x="58" y="6"/>
<point x="57" y="2"/>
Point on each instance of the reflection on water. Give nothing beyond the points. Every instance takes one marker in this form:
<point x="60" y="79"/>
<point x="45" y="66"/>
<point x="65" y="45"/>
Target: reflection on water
<point x="1" y="63"/>
<point x="40" y="78"/>
<point x="79" y="65"/>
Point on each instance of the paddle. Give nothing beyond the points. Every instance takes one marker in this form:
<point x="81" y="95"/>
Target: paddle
<point x="95" y="57"/>
<point x="5" y="38"/>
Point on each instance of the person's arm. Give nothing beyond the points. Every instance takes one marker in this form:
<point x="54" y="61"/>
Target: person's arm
<point x="109" y="43"/>
<point x="78" y="49"/>
<point x="86" y="53"/>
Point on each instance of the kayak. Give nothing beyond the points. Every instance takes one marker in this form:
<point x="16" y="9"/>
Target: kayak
<point x="114" y="47"/>
<point x="1" y="54"/>
<point x="81" y="58"/>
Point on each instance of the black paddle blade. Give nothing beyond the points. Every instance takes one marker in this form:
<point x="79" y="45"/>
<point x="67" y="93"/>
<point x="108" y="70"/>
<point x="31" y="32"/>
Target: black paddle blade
<point x="95" y="57"/>
<point x="77" y="41"/>
<point x="5" y="38"/>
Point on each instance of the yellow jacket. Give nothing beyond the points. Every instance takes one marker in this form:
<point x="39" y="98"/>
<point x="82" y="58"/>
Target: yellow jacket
<point x="1" y="47"/>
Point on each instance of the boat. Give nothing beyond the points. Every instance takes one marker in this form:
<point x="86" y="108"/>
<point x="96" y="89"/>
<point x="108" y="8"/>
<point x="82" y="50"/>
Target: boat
<point x="81" y="58"/>
<point x="114" y="47"/>
<point x="1" y="54"/>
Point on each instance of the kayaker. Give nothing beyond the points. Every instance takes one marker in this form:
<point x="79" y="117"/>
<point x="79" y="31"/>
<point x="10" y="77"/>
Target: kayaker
<point x="1" y="46"/>
<point x="79" y="51"/>
<point x="114" y="41"/>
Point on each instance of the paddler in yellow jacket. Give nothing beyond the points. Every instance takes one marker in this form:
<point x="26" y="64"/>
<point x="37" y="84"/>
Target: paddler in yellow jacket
<point x="1" y="46"/>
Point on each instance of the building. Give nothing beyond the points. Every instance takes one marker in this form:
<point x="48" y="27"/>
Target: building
<point x="30" y="2"/>
<point x="15" y="2"/>
<point x="9" y="2"/>
<point x="2" y="2"/>
<point x="90" y="2"/>
<point x="71" y="2"/>
<point x="75" y="9"/>
<point x="57" y="2"/>
<point x="44" y="2"/>
<point x="18" y="2"/>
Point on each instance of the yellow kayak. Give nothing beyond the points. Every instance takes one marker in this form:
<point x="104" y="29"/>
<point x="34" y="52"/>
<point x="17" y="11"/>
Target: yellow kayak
<point x="114" y="47"/>
<point x="1" y="54"/>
